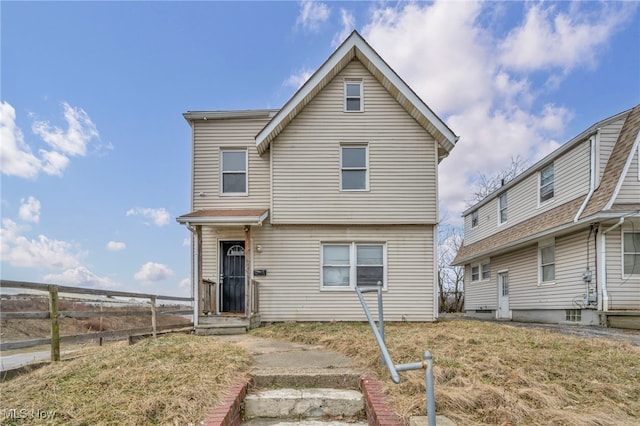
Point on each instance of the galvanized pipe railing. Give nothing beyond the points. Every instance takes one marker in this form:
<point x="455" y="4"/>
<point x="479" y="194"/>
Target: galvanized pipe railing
<point x="378" y="332"/>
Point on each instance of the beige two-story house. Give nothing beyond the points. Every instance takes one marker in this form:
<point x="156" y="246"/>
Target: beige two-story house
<point x="561" y="242"/>
<point x="293" y="208"/>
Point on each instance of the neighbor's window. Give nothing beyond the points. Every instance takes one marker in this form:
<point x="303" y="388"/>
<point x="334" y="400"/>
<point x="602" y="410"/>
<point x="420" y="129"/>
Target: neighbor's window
<point x="348" y="265"/>
<point x="353" y="168"/>
<point x="503" y="208"/>
<point x="234" y="171"/>
<point x="474" y="218"/>
<point x="547" y="178"/>
<point x="547" y="264"/>
<point x="631" y="249"/>
<point x="353" y="96"/>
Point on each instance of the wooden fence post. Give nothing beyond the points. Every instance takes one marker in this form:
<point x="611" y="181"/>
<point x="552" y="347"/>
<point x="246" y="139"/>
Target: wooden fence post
<point x="153" y="315"/>
<point x="55" y="326"/>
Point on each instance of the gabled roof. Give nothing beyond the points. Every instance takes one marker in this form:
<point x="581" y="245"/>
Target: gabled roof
<point x="355" y="47"/>
<point x="599" y="207"/>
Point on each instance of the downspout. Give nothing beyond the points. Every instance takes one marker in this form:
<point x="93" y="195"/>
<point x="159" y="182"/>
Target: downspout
<point x="592" y="179"/>
<point x="194" y="272"/>
<point x="603" y="267"/>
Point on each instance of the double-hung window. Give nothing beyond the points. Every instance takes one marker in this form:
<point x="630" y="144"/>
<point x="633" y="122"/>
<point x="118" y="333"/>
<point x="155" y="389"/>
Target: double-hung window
<point x="233" y="167"/>
<point x="547" y="258"/>
<point x="354" y="171"/>
<point x="345" y="265"/>
<point x="547" y="179"/>
<point x="503" y="208"/>
<point x="631" y="253"/>
<point x="481" y="271"/>
<point x="474" y="218"/>
<point x="353" y="101"/>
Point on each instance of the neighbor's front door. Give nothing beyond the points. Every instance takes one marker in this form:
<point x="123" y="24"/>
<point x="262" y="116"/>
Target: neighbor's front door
<point x="503" y="295"/>
<point x="232" y="276"/>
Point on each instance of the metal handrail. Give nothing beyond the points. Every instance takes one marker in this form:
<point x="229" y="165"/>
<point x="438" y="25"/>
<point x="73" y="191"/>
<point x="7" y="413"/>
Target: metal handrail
<point x="378" y="332"/>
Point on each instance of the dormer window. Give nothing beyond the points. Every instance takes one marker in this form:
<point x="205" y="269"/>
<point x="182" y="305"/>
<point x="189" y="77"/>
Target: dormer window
<point x="547" y="179"/>
<point x="353" y="96"/>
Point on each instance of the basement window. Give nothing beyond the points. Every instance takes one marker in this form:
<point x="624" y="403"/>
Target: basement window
<point x="573" y="315"/>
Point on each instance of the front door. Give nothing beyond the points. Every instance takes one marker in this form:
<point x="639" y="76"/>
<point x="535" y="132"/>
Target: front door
<point x="232" y="276"/>
<point x="503" y="296"/>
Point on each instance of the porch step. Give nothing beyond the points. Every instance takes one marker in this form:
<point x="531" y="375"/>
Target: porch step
<point x="304" y="403"/>
<point x="316" y="422"/>
<point x="219" y="329"/>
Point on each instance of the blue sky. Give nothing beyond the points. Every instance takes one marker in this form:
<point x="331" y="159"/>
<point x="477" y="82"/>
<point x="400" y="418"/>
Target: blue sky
<point x="96" y="153"/>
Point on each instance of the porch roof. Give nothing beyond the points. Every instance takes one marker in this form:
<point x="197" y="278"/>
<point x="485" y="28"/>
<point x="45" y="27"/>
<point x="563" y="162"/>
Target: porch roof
<point x="227" y="217"/>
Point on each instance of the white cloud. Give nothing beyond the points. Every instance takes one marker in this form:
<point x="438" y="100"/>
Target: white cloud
<point x="348" y="25"/>
<point x="312" y="14"/>
<point x="79" y="277"/>
<point x="159" y="217"/>
<point x="116" y="246"/>
<point x="42" y="252"/>
<point x="151" y="272"/>
<point x="186" y="242"/>
<point x="185" y="283"/>
<point x="16" y="158"/>
<point x="29" y="210"/>
<point x="446" y="52"/>
<point x="297" y="79"/>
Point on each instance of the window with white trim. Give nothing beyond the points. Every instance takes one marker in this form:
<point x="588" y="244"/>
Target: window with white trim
<point x="631" y="253"/>
<point x="353" y="101"/>
<point x="502" y="213"/>
<point x="547" y="181"/>
<point x="354" y="170"/>
<point x="475" y="220"/>
<point x="547" y="258"/>
<point x="233" y="170"/>
<point x="481" y="271"/>
<point x="345" y="265"/>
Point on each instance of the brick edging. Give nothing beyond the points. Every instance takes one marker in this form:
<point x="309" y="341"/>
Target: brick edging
<point x="378" y="410"/>
<point x="229" y="411"/>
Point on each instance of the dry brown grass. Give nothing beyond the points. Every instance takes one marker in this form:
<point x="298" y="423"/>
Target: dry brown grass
<point x="492" y="373"/>
<point x="169" y="380"/>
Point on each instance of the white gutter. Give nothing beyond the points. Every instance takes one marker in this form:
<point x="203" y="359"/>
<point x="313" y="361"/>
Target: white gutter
<point x="592" y="180"/>
<point x="603" y="268"/>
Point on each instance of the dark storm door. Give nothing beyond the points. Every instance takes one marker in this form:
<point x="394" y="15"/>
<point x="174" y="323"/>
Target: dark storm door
<point x="232" y="276"/>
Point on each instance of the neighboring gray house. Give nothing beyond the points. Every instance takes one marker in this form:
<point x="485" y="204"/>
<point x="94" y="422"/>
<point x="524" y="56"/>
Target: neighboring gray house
<point x="561" y="242"/>
<point x="292" y="208"/>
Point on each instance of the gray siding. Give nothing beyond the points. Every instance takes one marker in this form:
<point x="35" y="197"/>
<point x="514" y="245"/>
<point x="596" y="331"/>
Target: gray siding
<point x="480" y="294"/>
<point x="624" y="292"/>
<point x="212" y="135"/>
<point x="306" y="161"/>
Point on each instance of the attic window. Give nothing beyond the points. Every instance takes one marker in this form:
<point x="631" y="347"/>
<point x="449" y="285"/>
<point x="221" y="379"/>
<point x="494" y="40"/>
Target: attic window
<point x="353" y="96"/>
<point x="547" y="178"/>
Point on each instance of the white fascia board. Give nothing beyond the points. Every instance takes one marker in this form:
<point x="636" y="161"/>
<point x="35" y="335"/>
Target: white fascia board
<point x="231" y="220"/>
<point x="220" y="115"/>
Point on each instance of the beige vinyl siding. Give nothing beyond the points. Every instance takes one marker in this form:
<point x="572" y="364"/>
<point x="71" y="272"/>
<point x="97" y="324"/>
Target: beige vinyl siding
<point x="630" y="189"/>
<point x="212" y="135"/>
<point x="210" y="243"/>
<point x="607" y="140"/>
<point x="306" y="161"/>
<point x="480" y="294"/>
<point x="291" y="290"/>
<point x="624" y="292"/>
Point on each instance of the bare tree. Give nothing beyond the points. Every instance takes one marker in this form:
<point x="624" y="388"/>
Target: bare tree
<point x="489" y="183"/>
<point x="450" y="278"/>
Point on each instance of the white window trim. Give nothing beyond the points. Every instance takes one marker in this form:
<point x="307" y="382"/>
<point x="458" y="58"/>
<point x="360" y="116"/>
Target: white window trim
<point x="352" y="263"/>
<point x="622" y="252"/>
<point x="506" y="209"/>
<point x="366" y="178"/>
<point x="542" y="245"/>
<point x="246" y="173"/>
<point x="480" y="270"/>
<point x="477" y="212"/>
<point x="353" y="81"/>
<point x="550" y="200"/>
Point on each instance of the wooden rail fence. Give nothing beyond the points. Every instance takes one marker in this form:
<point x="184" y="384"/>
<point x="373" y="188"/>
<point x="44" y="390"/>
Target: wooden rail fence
<point x="54" y="314"/>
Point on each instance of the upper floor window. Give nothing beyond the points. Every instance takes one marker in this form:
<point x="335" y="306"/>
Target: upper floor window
<point x="354" y="173"/>
<point x="353" y="96"/>
<point x="474" y="218"/>
<point x="547" y="259"/>
<point x="547" y="178"/>
<point x="233" y="170"/>
<point x="351" y="264"/>
<point x="503" y="208"/>
<point x="631" y="250"/>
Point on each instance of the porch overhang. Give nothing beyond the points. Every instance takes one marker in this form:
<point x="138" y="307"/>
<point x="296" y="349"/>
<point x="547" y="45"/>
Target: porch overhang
<point x="225" y="217"/>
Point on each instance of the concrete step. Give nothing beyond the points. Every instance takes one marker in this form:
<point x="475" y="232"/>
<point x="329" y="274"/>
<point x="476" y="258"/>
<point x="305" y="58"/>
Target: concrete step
<point x="287" y="422"/>
<point x="290" y="377"/>
<point x="219" y="329"/>
<point x="304" y="403"/>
